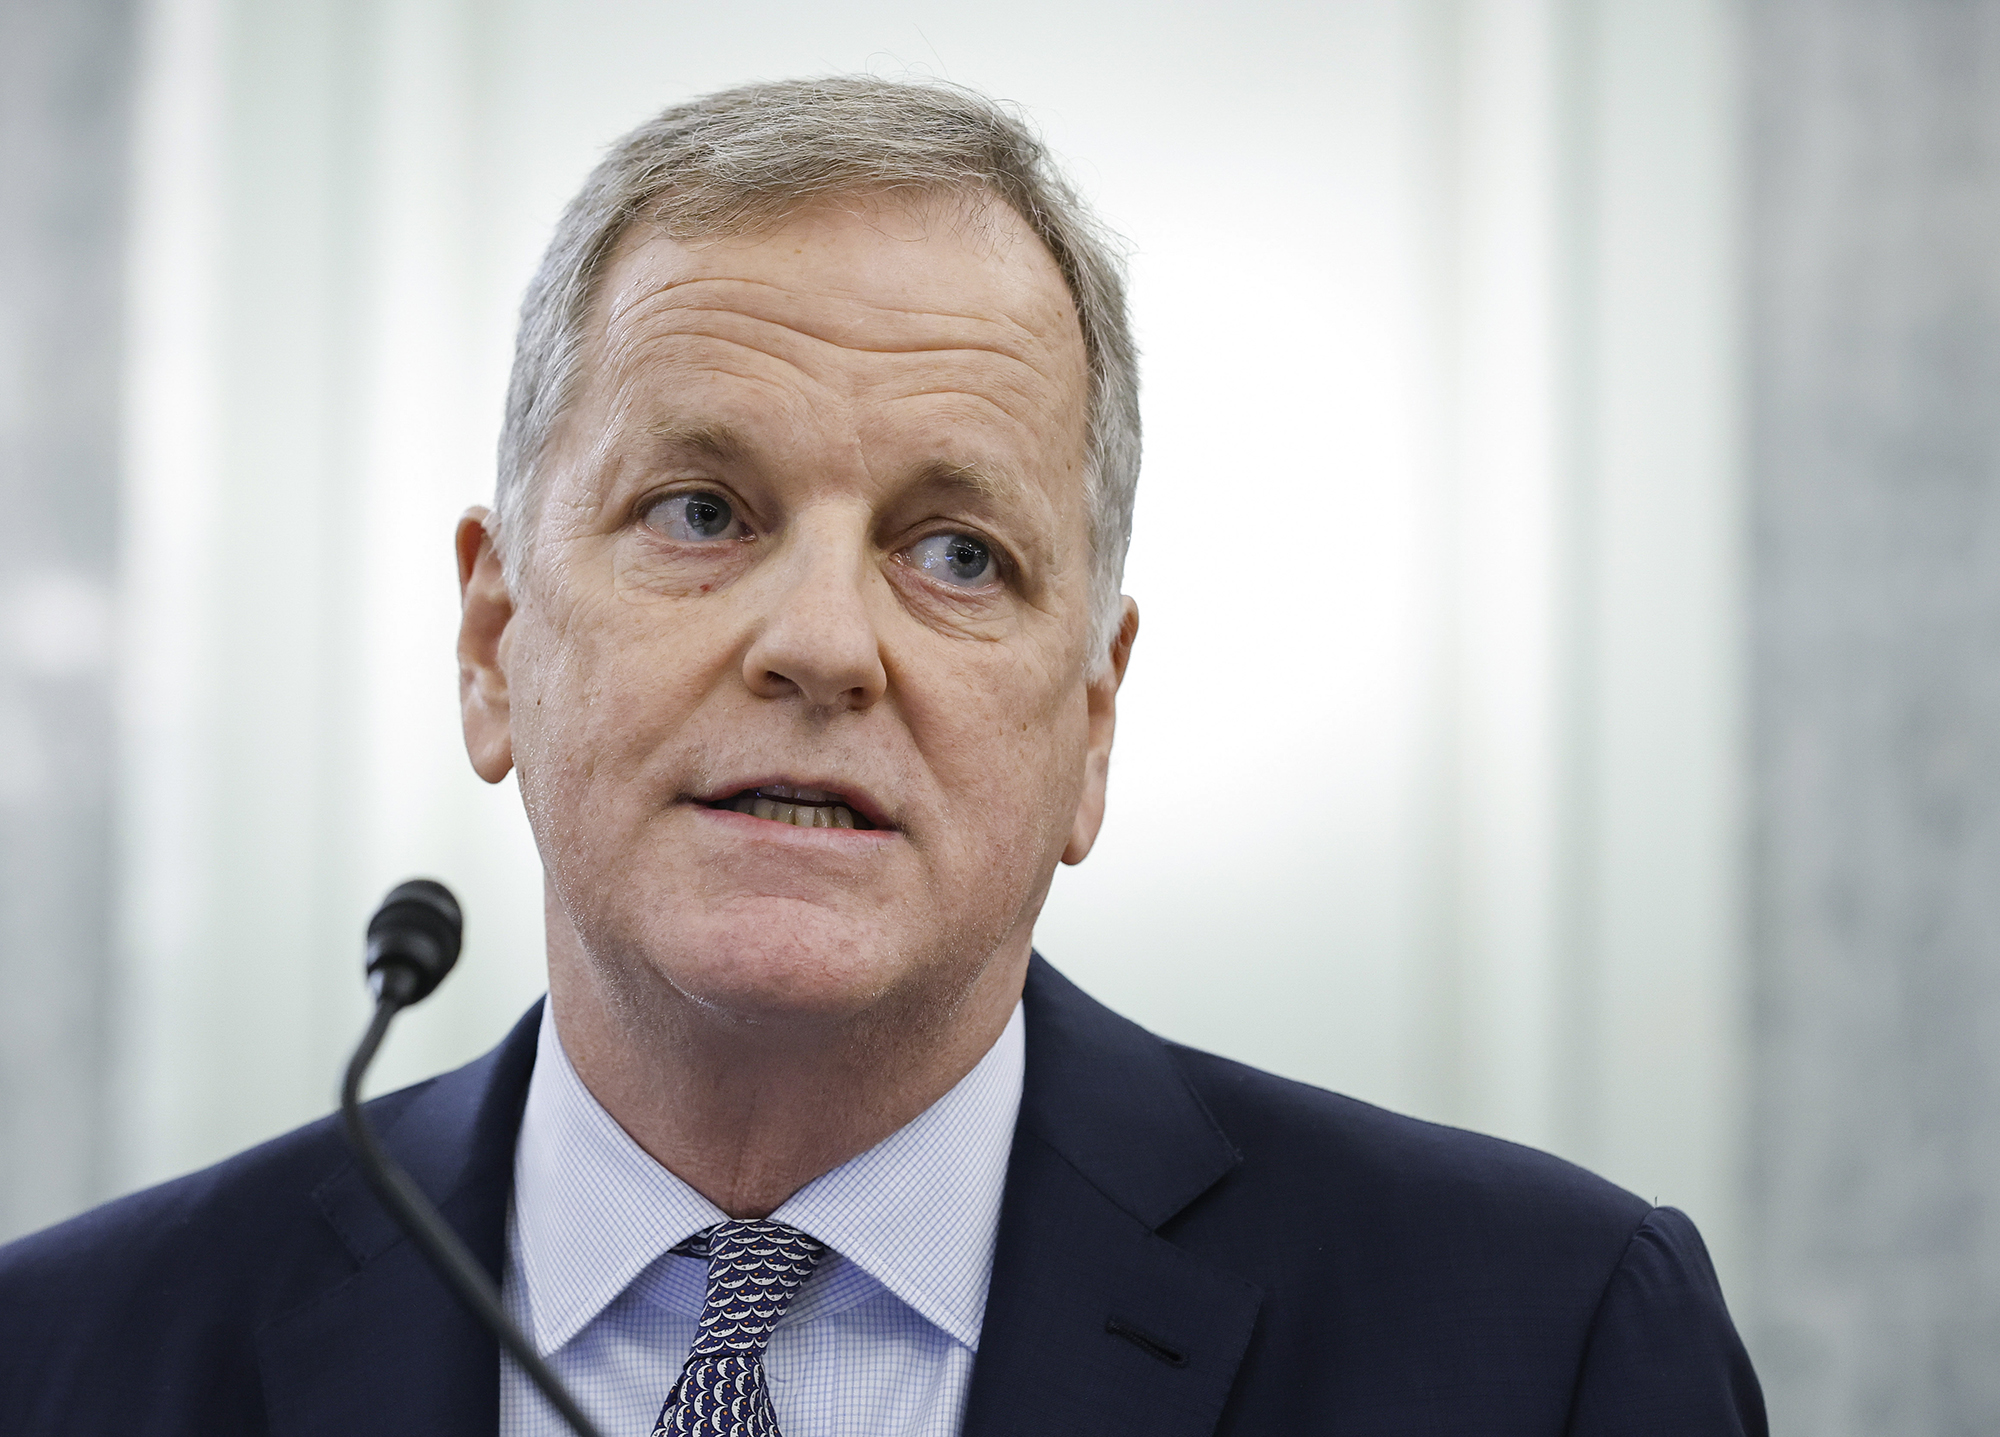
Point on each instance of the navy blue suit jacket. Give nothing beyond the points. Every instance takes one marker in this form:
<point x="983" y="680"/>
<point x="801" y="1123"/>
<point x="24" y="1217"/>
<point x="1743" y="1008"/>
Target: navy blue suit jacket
<point x="1187" y="1246"/>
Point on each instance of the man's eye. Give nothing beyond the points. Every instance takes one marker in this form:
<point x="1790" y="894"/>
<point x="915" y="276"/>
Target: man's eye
<point x="693" y="518"/>
<point x="955" y="558"/>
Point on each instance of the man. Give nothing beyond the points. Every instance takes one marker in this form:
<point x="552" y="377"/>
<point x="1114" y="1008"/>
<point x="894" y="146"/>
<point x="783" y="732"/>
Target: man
<point x="799" y="622"/>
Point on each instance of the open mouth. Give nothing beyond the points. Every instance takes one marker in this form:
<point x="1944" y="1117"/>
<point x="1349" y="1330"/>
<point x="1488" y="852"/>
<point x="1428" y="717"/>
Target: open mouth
<point x="800" y="807"/>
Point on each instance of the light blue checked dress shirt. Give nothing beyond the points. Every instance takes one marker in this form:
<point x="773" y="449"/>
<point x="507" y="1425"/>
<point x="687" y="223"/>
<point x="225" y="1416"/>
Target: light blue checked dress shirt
<point x="879" y="1341"/>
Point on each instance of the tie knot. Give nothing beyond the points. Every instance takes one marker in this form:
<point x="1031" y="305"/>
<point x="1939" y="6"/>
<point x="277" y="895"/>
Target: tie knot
<point x="755" y="1269"/>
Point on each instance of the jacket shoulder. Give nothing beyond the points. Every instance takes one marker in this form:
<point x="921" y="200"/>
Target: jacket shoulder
<point x="163" y="1303"/>
<point x="1412" y="1193"/>
<point x="151" y="1303"/>
<point x="1409" y="1276"/>
<point x="246" y="1218"/>
<point x="1457" y="1264"/>
<point x="1357" y="1145"/>
<point x="226" y="1234"/>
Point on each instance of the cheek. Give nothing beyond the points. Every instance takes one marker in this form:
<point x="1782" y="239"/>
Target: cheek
<point x="597" y="693"/>
<point x="1008" y="744"/>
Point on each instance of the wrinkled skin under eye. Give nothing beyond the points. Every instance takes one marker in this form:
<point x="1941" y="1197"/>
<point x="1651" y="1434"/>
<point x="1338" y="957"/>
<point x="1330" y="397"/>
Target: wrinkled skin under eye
<point x="957" y="559"/>
<point x="696" y="518"/>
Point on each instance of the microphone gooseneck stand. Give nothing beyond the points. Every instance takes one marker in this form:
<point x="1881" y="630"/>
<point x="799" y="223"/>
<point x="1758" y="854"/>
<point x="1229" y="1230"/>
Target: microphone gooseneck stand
<point x="413" y="941"/>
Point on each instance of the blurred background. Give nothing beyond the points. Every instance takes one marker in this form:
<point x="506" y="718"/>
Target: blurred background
<point x="1568" y="702"/>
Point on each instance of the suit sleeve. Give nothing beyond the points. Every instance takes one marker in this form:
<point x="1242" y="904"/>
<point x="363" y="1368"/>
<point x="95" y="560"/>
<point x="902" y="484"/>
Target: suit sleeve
<point x="1662" y="1356"/>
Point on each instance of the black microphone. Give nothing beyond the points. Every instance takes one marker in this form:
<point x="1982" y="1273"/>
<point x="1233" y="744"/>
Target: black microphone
<point x="412" y="943"/>
<point x="413" y="940"/>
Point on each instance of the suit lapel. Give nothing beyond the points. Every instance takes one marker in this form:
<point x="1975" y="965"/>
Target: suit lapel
<point x="386" y="1349"/>
<point x="1096" y="1324"/>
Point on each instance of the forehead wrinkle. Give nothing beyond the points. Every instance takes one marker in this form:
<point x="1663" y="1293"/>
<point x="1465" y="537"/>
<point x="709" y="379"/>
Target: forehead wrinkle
<point x="874" y="329"/>
<point x="1028" y="418"/>
<point x="1019" y="393"/>
<point x="634" y="352"/>
<point x="990" y="370"/>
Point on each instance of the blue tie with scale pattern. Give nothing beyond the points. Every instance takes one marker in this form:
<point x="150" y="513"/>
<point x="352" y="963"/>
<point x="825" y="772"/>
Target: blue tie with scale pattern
<point x="755" y="1269"/>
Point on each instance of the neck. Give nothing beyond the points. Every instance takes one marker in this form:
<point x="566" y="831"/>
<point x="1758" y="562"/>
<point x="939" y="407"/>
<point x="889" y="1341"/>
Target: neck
<point x="747" y="1113"/>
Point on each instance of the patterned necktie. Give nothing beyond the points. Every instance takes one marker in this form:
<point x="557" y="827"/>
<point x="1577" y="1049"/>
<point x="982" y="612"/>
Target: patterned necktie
<point x="755" y="1269"/>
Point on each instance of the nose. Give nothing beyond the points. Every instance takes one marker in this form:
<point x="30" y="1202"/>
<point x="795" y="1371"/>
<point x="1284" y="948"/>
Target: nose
<point x="817" y="639"/>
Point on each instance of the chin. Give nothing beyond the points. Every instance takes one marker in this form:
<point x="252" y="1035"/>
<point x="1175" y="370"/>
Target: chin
<point x="788" y="966"/>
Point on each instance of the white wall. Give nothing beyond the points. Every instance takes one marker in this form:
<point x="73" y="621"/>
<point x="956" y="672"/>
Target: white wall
<point x="1427" y="774"/>
<point x="65" y="84"/>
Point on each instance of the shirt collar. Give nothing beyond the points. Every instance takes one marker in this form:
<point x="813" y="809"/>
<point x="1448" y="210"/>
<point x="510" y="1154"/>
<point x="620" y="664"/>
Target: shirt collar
<point x="918" y="1211"/>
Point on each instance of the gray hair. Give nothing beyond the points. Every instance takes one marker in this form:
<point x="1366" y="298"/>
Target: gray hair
<point x="745" y="159"/>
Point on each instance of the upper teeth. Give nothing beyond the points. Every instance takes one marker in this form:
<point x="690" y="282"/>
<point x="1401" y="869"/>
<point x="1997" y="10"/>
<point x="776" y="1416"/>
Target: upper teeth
<point x="798" y="814"/>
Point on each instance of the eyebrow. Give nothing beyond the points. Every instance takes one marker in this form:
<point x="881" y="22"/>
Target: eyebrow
<point x="718" y="441"/>
<point x="709" y="439"/>
<point x="992" y="485"/>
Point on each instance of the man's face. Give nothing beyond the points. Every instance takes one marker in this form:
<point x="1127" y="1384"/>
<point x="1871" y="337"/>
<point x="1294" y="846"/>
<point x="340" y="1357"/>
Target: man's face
<point x="797" y="684"/>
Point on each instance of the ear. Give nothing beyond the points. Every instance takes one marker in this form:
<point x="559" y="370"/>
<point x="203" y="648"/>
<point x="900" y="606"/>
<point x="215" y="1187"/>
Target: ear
<point x="1102" y="698"/>
<point x="485" y="610"/>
